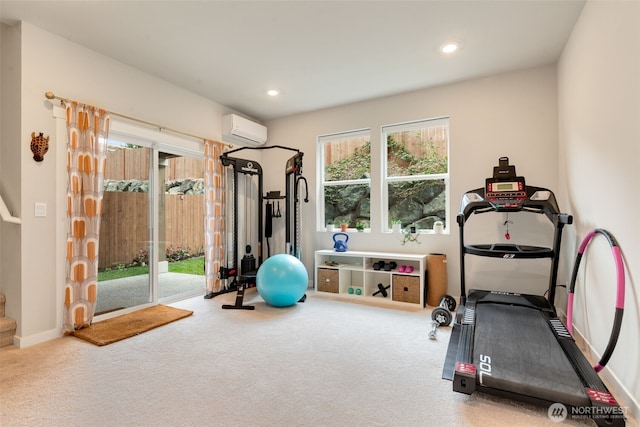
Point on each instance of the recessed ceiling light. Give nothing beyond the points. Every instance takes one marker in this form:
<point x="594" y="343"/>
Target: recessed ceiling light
<point x="272" y="92"/>
<point x="449" y="47"/>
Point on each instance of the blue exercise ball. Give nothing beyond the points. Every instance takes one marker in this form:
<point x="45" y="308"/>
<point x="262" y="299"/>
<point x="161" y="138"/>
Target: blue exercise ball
<point x="282" y="280"/>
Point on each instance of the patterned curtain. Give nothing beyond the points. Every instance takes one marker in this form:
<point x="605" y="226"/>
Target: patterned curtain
<point x="87" y="130"/>
<point x="214" y="219"/>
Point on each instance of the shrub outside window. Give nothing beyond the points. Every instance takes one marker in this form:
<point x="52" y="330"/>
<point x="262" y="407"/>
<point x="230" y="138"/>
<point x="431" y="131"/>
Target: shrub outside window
<point x="345" y="178"/>
<point x="416" y="173"/>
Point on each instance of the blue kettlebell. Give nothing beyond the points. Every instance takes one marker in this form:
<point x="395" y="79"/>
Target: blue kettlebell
<point x="340" y="245"/>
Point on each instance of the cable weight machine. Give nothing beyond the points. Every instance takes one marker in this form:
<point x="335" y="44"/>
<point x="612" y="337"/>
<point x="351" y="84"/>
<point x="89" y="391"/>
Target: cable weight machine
<point x="251" y="173"/>
<point x="246" y="276"/>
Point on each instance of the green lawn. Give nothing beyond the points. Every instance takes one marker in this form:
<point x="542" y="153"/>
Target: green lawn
<point x="193" y="265"/>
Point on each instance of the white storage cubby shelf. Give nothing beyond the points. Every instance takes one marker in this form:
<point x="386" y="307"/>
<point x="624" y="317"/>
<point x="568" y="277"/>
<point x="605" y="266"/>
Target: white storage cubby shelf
<point x="351" y="275"/>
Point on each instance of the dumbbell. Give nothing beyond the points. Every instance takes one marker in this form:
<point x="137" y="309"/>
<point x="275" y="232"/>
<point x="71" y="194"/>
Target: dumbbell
<point x="441" y="315"/>
<point x="448" y="301"/>
<point x="382" y="290"/>
<point x="386" y="266"/>
<point x="390" y="266"/>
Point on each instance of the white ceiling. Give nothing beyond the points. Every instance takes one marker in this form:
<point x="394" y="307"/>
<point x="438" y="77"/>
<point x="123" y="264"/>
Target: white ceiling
<point x="317" y="53"/>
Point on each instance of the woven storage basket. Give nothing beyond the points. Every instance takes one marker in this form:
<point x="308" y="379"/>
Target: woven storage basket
<point x="406" y="288"/>
<point x="328" y="280"/>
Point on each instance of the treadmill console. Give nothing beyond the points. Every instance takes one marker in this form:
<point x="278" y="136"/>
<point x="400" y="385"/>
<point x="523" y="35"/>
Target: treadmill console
<point x="505" y="191"/>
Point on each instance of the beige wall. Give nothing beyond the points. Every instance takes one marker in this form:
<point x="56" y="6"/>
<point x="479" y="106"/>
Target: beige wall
<point x="512" y="114"/>
<point x="599" y="153"/>
<point x="10" y="166"/>
<point x="32" y="273"/>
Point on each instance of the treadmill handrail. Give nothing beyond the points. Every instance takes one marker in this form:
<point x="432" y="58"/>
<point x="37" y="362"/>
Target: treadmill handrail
<point x="539" y="200"/>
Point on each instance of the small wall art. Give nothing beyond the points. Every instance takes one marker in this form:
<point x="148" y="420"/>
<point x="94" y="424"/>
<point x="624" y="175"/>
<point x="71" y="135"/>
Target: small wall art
<point x="39" y="146"/>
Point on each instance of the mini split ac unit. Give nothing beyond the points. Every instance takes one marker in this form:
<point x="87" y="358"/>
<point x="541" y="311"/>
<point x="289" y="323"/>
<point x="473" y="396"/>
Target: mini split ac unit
<point x="236" y="129"/>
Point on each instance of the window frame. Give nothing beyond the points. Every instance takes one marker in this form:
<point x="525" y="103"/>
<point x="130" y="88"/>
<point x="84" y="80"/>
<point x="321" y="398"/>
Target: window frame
<point x="385" y="180"/>
<point x="378" y="180"/>
<point x="321" y="141"/>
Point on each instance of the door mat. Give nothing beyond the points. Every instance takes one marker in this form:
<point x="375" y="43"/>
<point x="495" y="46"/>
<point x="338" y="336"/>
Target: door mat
<point x="131" y="324"/>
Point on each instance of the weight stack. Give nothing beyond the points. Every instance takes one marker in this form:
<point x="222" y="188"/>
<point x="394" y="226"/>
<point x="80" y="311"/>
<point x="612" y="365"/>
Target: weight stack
<point x="436" y="278"/>
<point x="247" y="264"/>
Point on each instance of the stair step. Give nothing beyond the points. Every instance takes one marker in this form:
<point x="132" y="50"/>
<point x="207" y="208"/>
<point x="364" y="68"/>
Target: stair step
<point x="7" y="331"/>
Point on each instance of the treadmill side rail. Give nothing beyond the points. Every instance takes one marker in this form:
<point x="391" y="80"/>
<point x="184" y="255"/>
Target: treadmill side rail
<point x="604" y="409"/>
<point x="464" y="378"/>
<point x="464" y="374"/>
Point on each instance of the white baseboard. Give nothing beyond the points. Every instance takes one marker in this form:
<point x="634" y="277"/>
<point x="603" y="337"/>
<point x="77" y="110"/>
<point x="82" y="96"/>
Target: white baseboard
<point x="23" y="342"/>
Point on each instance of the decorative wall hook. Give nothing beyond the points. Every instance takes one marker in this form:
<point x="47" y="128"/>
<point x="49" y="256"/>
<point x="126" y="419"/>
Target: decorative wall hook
<point x="39" y="146"/>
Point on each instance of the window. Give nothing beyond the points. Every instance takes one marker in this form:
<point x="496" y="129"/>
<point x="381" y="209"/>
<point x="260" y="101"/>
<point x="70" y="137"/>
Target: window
<point x="345" y="190"/>
<point x="416" y="173"/>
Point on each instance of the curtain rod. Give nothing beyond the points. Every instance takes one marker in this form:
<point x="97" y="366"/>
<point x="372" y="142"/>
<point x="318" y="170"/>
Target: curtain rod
<point x="51" y="95"/>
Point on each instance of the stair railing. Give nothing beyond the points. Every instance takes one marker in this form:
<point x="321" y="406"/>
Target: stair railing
<point x="6" y="215"/>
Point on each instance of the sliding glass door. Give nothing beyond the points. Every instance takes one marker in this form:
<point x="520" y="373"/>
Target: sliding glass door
<point x="180" y="210"/>
<point x="126" y="233"/>
<point x="151" y="237"/>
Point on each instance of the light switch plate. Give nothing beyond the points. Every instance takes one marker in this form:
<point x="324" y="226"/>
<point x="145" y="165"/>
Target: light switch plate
<point x="40" y="209"/>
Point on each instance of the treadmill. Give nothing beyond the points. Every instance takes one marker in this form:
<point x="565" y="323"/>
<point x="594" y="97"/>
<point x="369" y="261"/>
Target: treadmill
<point x="514" y="345"/>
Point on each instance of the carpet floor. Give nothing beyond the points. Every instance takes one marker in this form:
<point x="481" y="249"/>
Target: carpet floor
<point x="318" y="363"/>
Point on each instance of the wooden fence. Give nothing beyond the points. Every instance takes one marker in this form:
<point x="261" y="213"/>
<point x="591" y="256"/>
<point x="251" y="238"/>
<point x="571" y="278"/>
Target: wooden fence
<point x="124" y="227"/>
<point x="416" y="142"/>
<point x="129" y="163"/>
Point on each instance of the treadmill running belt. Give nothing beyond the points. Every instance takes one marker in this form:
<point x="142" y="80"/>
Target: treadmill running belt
<point x="523" y="356"/>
